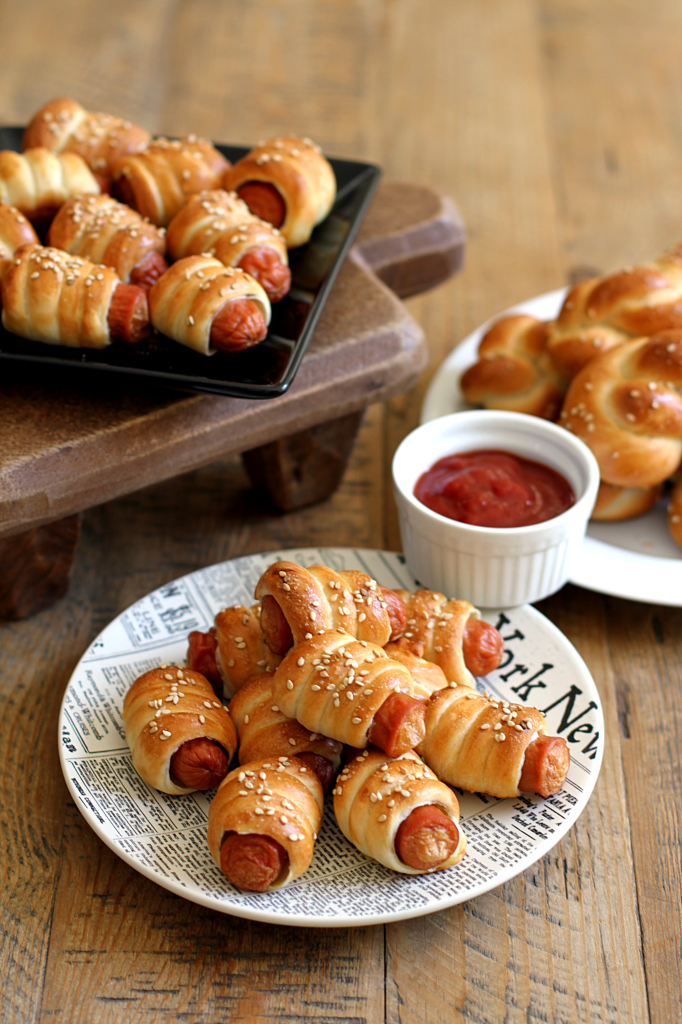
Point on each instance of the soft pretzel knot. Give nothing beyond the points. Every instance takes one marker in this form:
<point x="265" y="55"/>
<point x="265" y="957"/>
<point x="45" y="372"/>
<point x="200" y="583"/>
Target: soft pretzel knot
<point x="317" y="599"/>
<point x="616" y="503"/>
<point x="626" y="405"/>
<point x="63" y="125"/>
<point x="603" y="312"/>
<point x="162" y="710"/>
<point x="374" y="795"/>
<point x="514" y="371"/>
<point x="334" y="685"/>
<point x="439" y="625"/>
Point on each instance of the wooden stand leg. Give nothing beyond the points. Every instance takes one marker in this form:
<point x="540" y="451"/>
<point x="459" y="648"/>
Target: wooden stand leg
<point x="35" y="567"/>
<point x="304" y="468"/>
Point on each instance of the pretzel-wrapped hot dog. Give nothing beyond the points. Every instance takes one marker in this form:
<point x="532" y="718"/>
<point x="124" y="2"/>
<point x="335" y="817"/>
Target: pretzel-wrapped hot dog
<point x="182" y="739"/>
<point x="265" y="731"/>
<point x="15" y="231"/>
<point x="427" y="677"/>
<point x="297" y="603"/>
<point x="489" y="746"/>
<point x="263" y="823"/>
<point x="58" y="299"/>
<point x="64" y="126"/>
<point x="351" y="691"/>
<point x="206" y="306"/>
<point x="234" y="650"/>
<point x="399" y="813"/>
<point x="157" y="181"/>
<point x="37" y="181"/>
<point x="453" y="635"/>
<point x="288" y="182"/>
<point x="219" y="224"/>
<point x="103" y="231"/>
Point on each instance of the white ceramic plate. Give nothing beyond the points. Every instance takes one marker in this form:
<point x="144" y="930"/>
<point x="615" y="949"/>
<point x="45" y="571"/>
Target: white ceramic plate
<point x="163" y="836"/>
<point x="636" y="558"/>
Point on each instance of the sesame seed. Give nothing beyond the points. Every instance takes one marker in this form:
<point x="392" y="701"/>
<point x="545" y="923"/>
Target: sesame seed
<point x="290" y="685"/>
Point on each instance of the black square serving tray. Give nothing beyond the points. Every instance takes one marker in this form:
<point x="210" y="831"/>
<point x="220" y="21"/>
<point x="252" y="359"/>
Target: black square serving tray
<point x="267" y="369"/>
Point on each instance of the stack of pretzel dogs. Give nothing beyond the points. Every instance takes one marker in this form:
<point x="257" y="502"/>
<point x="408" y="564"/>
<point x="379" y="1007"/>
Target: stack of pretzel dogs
<point x="609" y="369"/>
<point x="337" y="683"/>
<point x="114" y="207"/>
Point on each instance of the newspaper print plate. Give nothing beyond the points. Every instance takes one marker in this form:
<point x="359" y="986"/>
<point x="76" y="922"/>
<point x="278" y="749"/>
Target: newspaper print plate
<point x="163" y="837"/>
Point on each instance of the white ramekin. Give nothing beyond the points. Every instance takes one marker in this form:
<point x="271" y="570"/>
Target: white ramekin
<point x="489" y="566"/>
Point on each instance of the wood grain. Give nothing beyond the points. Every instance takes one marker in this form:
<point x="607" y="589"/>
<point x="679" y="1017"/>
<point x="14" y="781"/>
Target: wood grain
<point x="555" y="128"/>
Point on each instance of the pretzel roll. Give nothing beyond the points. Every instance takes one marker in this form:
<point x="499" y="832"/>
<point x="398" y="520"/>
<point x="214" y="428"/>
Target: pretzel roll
<point x="219" y="224"/>
<point x="626" y="405"/>
<point x="37" y="181"/>
<point x="675" y="513"/>
<point x="426" y="676"/>
<point x="374" y="796"/>
<point x="103" y="231"/>
<point x="241" y="649"/>
<point x="351" y="691"/>
<point x="157" y="181"/>
<point x="481" y="744"/>
<point x="452" y="634"/>
<point x="64" y="126"/>
<point x="164" y="710"/>
<point x="188" y="302"/>
<point x="279" y="799"/>
<point x="300" y="175"/>
<point x="265" y="731"/>
<point x="514" y="371"/>
<point x="58" y="299"/>
<point x="298" y="603"/>
<point x="15" y="231"/>
<point x="616" y="503"/>
<point x="604" y="312"/>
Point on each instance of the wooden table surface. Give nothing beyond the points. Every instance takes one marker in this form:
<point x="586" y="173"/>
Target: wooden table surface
<point x="557" y="128"/>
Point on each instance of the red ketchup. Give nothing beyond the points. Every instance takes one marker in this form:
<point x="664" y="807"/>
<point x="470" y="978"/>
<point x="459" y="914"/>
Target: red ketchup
<point x="494" y="488"/>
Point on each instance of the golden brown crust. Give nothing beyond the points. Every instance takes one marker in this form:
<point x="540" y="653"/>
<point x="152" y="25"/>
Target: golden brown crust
<point x="318" y="598"/>
<point x="64" y="126"/>
<point x="616" y="503"/>
<point x="37" y="181"/>
<point x="334" y="685"/>
<point x="184" y="302"/>
<point x="514" y="370"/>
<point x="299" y="172"/>
<point x="278" y="797"/>
<point x="15" y="231"/>
<point x="265" y="731"/>
<point x="439" y="624"/>
<point x="162" y="710"/>
<point x="242" y="652"/>
<point x="158" y="180"/>
<point x="104" y="231"/>
<point x="58" y="299"/>
<point x="374" y="795"/>
<point x="604" y="312"/>
<point x="478" y="743"/>
<point x="626" y="405"/>
<point x="219" y="224"/>
<point x="427" y="677"/>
